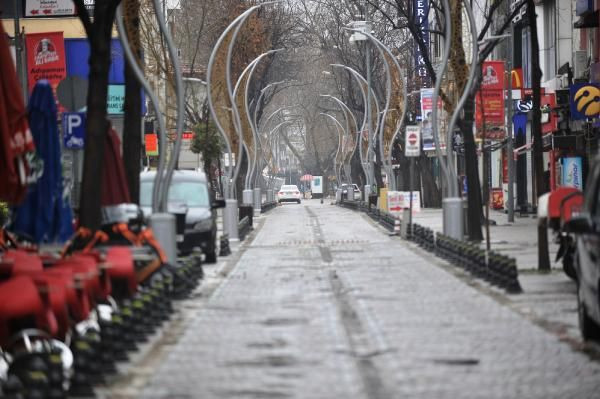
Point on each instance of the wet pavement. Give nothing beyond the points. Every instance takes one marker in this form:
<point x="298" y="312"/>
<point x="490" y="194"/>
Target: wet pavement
<point x="321" y="303"/>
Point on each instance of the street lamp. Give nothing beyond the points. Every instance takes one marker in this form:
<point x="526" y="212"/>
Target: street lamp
<point x="364" y="158"/>
<point x="230" y="215"/>
<point x="349" y="135"/>
<point x="340" y="129"/>
<point x="386" y="159"/>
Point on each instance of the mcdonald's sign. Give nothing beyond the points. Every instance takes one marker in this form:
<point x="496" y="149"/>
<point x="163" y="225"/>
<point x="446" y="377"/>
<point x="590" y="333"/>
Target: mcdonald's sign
<point x="516" y="77"/>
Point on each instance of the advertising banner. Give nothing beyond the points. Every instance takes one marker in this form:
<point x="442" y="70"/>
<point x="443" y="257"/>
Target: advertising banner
<point x="45" y="58"/>
<point x="399" y="200"/>
<point x="426" y="128"/>
<point x="489" y="102"/>
<point x="584" y="100"/>
<point x="572" y="172"/>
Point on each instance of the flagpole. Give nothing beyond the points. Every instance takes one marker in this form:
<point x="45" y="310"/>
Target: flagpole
<point x="19" y="49"/>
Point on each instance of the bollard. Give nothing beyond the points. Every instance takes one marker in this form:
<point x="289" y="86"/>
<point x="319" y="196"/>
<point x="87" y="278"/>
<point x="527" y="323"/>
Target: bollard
<point x="224" y="246"/>
<point x="513" y="286"/>
<point x="230" y="219"/>
<point x="257" y="197"/>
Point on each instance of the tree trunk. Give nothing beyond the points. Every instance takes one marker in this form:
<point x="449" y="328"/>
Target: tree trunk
<point x="99" y="38"/>
<point x="432" y="197"/>
<point x="536" y="133"/>
<point x="132" y="125"/>
<point x="471" y="170"/>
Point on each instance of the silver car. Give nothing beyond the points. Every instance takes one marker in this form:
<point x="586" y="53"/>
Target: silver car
<point x="189" y="188"/>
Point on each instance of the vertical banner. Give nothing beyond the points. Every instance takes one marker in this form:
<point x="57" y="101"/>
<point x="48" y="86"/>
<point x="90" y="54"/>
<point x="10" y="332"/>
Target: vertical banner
<point x="421" y="8"/>
<point x="45" y="58"/>
<point x="426" y="127"/>
<point x="489" y="102"/>
<point x="151" y="141"/>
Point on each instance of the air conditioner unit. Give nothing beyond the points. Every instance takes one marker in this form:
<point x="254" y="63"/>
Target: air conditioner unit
<point x="580" y="63"/>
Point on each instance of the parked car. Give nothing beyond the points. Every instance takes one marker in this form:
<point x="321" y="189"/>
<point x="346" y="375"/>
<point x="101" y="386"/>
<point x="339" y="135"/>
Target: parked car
<point x="189" y="188"/>
<point x="357" y="192"/>
<point x="289" y="193"/>
<point x="586" y="226"/>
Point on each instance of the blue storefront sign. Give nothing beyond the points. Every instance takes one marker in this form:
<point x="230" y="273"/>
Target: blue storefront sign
<point x="73" y="127"/>
<point x="572" y="169"/>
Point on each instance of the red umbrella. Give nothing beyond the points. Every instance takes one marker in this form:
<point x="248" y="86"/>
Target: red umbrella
<point x="115" y="189"/>
<point x="16" y="142"/>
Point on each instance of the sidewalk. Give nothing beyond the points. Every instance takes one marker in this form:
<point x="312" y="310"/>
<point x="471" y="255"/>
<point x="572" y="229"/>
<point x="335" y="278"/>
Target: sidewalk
<point x="548" y="299"/>
<point x="518" y="239"/>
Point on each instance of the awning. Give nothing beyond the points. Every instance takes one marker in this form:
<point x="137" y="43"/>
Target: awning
<point x="589" y="20"/>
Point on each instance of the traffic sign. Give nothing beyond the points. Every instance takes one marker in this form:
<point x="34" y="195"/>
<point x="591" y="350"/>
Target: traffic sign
<point x="73" y="125"/>
<point x="412" y="147"/>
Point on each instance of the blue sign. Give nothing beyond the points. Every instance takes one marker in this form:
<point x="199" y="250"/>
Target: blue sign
<point x="572" y="172"/>
<point x="73" y="127"/>
<point x="116" y="99"/>
<point x="584" y="100"/>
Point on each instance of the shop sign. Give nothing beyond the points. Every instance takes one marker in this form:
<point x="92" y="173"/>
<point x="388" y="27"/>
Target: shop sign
<point x="421" y="8"/>
<point x="45" y="58"/>
<point x="493" y="75"/>
<point x="116" y="99"/>
<point x="572" y="172"/>
<point x="584" y="99"/>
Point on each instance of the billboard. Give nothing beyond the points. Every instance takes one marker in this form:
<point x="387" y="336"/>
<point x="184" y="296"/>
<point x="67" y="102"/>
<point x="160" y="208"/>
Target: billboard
<point x="45" y="58"/>
<point x="426" y="126"/>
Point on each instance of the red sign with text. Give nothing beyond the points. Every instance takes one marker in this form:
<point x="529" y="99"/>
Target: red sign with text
<point x="549" y="119"/>
<point x="45" y="58"/>
<point x="489" y="102"/>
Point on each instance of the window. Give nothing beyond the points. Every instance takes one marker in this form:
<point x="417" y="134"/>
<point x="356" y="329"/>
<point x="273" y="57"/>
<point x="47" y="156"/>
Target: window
<point x="193" y="193"/>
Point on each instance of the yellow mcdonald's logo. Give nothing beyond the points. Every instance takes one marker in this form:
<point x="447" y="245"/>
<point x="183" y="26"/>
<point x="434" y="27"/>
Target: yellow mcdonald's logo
<point x="516" y="78"/>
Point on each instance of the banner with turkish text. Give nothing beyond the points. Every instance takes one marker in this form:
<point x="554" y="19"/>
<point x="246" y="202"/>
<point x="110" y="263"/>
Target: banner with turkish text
<point x="489" y="102"/>
<point x="45" y="58"/>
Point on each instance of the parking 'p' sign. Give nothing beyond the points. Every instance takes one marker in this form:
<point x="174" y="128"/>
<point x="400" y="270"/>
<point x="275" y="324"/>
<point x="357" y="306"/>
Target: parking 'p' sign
<point x="73" y="124"/>
<point x="412" y="146"/>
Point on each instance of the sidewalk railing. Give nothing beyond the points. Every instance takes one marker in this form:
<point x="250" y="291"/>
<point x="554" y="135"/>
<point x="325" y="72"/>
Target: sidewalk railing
<point x="267" y="206"/>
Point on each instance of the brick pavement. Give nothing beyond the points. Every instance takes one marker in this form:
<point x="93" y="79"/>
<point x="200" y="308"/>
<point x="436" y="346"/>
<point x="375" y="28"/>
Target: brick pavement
<point x="323" y="304"/>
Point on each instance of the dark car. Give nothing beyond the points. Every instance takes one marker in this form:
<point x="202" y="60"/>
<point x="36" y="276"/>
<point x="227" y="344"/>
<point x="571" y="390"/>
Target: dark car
<point x="190" y="189"/>
<point x="586" y="226"/>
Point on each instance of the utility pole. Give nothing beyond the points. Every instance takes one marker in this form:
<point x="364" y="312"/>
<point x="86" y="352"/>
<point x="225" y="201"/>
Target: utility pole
<point x="510" y="160"/>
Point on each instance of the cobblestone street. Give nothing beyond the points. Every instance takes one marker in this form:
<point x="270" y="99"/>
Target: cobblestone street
<point x="319" y="302"/>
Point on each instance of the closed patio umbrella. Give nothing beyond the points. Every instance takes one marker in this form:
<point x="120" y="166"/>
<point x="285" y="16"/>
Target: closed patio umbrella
<point x="44" y="216"/>
<point x="114" y="182"/>
<point x="16" y="142"/>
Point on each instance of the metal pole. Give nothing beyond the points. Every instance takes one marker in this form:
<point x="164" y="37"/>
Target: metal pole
<point x="19" y="51"/>
<point x="410" y="188"/>
<point x="509" y="145"/>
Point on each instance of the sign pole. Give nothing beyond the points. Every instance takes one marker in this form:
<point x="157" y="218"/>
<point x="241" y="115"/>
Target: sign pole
<point x="410" y="189"/>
